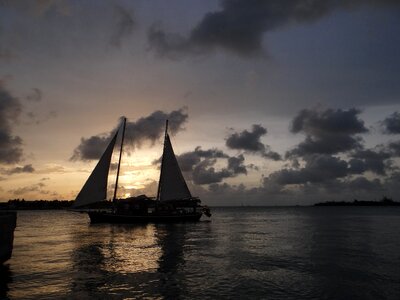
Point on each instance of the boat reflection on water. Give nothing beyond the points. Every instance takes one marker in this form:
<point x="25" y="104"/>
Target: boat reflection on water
<point x="128" y="261"/>
<point x="171" y="240"/>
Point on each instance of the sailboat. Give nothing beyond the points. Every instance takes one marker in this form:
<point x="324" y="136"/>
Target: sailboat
<point x="173" y="203"/>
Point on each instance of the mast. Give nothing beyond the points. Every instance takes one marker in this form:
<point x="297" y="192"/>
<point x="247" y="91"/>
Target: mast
<point x="162" y="161"/>
<point x="119" y="161"/>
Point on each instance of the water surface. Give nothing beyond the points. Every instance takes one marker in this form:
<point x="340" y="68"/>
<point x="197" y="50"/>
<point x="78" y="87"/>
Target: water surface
<point x="243" y="253"/>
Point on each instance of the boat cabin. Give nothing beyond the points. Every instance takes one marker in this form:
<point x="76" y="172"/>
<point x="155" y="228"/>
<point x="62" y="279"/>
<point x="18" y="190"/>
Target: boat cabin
<point x="143" y="205"/>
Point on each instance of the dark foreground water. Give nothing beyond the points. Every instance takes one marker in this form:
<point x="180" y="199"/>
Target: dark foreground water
<point x="243" y="253"/>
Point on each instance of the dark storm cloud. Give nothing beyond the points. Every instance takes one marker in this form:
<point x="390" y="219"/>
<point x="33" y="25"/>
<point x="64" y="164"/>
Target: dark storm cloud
<point x="239" y="25"/>
<point x="10" y="109"/>
<point x="318" y="168"/>
<point x="247" y="140"/>
<point x="199" y="165"/>
<point x="250" y="141"/>
<point x="17" y="170"/>
<point x="377" y="162"/>
<point x="392" y="123"/>
<point x="125" y="24"/>
<point x="152" y="127"/>
<point x="364" y="184"/>
<point x="392" y="183"/>
<point x="91" y="148"/>
<point x="235" y="164"/>
<point x="327" y="132"/>
<point x="190" y="159"/>
<point x="205" y="173"/>
<point x="147" y="129"/>
<point x="357" y="166"/>
<point x="394" y="148"/>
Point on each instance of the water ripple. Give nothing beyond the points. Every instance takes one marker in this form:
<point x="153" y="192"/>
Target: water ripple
<point x="244" y="253"/>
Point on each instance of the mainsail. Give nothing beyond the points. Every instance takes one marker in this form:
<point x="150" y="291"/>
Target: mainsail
<point x="95" y="188"/>
<point x="172" y="185"/>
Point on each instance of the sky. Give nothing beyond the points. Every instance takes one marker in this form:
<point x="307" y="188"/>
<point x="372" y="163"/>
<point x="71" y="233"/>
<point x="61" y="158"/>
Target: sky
<point x="269" y="102"/>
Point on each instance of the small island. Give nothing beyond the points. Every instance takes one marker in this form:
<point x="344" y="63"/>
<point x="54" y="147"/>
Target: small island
<point x="383" y="202"/>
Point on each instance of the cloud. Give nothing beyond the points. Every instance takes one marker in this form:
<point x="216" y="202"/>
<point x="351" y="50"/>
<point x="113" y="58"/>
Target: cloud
<point x="146" y="129"/>
<point x="91" y="148"/>
<point x="10" y="145"/>
<point x="18" y="170"/>
<point x="364" y="184"/>
<point x="318" y="168"/>
<point x="370" y="160"/>
<point x="200" y="165"/>
<point x="394" y="148"/>
<point x="188" y="160"/>
<point x="327" y="132"/>
<point x="149" y="188"/>
<point x="340" y="189"/>
<point x="124" y="26"/>
<point x="235" y="164"/>
<point x="392" y="183"/>
<point x="272" y="193"/>
<point x="32" y="118"/>
<point x="204" y="172"/>
<point x="392" y="123"/>
<point x="151" y="128"/>
<point x="249" y="141"/>
<point x="38" y="187"/>
<point x="35" y="96"/>
<point x="53" y="168"/>
<point x="226" y="188"/>
<point x="239" y="26"/>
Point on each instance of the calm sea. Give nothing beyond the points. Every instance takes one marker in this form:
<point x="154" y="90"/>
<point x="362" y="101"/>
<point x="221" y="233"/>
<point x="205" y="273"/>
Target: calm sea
<point x="243" y="253"/>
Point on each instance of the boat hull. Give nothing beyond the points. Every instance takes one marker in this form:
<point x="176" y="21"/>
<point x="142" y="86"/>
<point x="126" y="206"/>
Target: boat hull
<point x="106" y="217"/>
<point x="8" y="222"/>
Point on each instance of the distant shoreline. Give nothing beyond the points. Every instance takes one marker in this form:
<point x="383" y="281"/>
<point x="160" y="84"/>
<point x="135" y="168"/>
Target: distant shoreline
<point x="383" y="202"/>
<point x="18" y="204"/>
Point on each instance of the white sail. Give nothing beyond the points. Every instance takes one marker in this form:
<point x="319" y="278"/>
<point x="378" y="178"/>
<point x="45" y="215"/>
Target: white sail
<point x="172" y="185"/>
<point x="95" y="188"/>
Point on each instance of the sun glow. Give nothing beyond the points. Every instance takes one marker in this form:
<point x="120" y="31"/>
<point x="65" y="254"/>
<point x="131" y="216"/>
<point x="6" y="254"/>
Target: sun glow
<point x="138" y="173"/>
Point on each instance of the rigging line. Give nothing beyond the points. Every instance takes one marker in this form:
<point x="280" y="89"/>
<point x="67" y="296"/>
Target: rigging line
<point x="119" y="161"/>
<point x="162" y="161"/>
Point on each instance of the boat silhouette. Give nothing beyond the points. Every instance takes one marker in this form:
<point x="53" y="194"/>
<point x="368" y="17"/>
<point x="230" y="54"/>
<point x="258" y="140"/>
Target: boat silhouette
<point x="173" y="203"/>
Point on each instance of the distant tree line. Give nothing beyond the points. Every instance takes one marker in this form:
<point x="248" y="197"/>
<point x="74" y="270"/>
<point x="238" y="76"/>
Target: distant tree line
<point x="383" y="202"/>
<point x="22" y="204"/>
